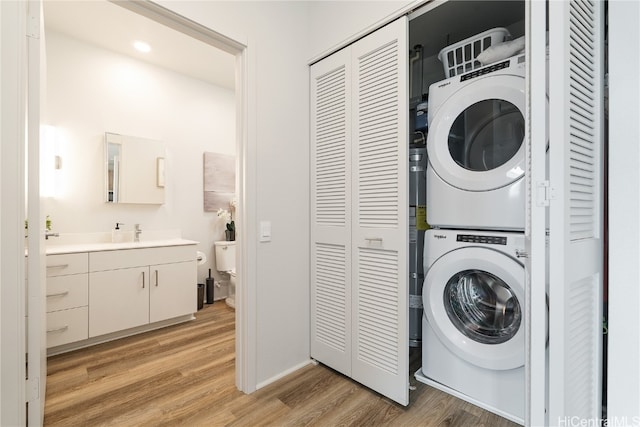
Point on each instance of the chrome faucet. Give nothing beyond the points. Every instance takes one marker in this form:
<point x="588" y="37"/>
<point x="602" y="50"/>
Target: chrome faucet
<point x="136" y="233"/>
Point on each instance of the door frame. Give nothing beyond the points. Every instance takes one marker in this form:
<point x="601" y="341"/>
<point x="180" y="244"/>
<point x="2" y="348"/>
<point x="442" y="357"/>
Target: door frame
<point x="12" y="201"/>
<point x="12" y="198"/>
<point x="246" y="333"/>
<point x="536" y="372"/>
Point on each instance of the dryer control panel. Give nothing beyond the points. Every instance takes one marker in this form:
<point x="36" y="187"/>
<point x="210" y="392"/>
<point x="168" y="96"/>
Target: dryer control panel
<point x="477" y="238"/>
<point x="486" y="70"/>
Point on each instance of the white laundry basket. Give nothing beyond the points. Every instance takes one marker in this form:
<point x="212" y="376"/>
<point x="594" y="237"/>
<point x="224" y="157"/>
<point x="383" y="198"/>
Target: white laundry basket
<point x="460" y="57"/>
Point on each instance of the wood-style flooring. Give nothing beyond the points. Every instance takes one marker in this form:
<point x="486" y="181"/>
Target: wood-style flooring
<point x="184" y="375"/>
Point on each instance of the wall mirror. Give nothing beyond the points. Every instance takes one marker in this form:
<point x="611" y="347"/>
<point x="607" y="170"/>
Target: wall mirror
<point x="135" y="170"/>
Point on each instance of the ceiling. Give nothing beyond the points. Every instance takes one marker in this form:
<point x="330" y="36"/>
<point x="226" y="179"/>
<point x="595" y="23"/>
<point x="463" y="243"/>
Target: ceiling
<point x="112" y="27"/>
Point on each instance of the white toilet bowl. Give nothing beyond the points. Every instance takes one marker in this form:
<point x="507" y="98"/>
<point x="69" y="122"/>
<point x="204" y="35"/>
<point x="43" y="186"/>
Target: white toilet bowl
<point x="231" y="299"/>
<point x="226" y="263"/>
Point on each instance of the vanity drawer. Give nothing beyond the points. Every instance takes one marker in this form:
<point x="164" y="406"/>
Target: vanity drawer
<point x="128" y="258"/>
<point x="65" y="292"/>
<point x="67" y="326"/>
<point x="60" y="265"/>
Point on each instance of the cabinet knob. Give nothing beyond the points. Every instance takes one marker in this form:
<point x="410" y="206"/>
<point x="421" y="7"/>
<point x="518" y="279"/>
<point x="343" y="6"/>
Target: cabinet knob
<point x="143" y="280"/>
<point x="156" y="278"/>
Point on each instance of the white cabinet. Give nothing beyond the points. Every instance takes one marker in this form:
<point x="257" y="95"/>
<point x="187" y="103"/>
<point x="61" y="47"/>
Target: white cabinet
<point x="67" y="298"/>
<point x="359" y="225"/>
<point x="119" y="299"/>
<point x="135" y="287"/>
<point x="167" y="296"/>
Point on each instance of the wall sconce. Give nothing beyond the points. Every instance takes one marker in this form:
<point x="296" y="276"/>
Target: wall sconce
<point x="50" y="162"/>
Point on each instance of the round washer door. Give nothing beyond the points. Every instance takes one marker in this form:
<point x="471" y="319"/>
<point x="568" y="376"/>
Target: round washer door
<point x="474" y="300"/>
<point x="476" y="137"/>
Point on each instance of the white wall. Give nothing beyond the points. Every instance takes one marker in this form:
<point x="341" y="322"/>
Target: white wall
<point x="277" y="170"/>
<point x="91" y="91"/>
<point x="281" y="38"/>
<point x="332" y="22"/>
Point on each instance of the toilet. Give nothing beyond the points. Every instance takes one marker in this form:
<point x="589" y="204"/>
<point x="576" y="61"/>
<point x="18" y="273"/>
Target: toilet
<point x="225" y="252"/>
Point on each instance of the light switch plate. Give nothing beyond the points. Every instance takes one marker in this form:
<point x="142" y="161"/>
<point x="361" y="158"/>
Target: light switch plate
<point x="265" y="231"/>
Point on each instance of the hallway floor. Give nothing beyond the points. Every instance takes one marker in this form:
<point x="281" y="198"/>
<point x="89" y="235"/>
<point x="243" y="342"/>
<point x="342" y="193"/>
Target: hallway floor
<point x="184" y="375"/>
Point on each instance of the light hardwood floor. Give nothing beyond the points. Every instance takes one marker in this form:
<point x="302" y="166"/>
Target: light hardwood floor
<point x="184" y="375"/>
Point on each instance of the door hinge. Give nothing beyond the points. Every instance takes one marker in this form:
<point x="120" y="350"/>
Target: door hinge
<point x="544" y="193"/>
<point x="33" y="389"/>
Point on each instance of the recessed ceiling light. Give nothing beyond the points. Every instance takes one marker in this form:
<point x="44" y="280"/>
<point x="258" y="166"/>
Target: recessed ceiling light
<point x="142" y="46"/>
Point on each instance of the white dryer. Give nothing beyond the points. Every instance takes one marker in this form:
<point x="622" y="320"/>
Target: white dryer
<point x="475" y="175"/>
<point x="473" y="331"/>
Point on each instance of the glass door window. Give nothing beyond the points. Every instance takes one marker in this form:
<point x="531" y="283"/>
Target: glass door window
<point x="486" y="135"/>
<point x="482" y="306"/>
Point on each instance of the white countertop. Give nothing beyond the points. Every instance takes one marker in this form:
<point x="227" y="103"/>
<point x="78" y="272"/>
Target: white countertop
<point x="109" y="246"/>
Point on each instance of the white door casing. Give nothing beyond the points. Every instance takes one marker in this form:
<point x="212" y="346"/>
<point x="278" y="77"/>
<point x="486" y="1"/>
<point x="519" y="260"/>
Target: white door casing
<point x="623" y="228"/>
<point x="13" y="19"/>
<point x="576" y="31"/>
<point x="36" y="264"/>
<point x="536" y="375"/>
<point x="380" y="232"/>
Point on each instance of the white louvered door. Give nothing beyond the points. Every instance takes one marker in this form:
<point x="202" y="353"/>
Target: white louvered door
<point x="575" y="146"/>
<point x="359" y="219"/>
<point x="331" y="211"/>
<point x="380" y="218"/>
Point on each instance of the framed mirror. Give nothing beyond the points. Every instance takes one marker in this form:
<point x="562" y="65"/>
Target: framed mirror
<point x="135" y="169"/>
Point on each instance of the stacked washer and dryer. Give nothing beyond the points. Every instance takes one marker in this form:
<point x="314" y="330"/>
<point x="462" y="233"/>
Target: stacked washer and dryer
<point x="473" y="326"/>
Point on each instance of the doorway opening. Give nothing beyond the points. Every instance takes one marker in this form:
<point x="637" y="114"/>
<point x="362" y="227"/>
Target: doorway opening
<point x="218" y="46"/>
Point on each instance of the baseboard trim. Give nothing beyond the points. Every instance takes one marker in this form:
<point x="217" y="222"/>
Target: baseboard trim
<point x="283" y="374"/>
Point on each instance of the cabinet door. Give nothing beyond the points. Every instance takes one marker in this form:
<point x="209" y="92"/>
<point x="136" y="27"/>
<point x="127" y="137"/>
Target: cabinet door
<point x="331" y="211"/>
<point x="173" y="290"/>
<point x="380" y="331"/>
<point x="118" y="299"/>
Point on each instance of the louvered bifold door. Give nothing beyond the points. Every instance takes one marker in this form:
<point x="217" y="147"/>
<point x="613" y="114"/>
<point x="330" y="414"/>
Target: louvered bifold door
<point x="380" y="197"/>
<point x="331" y="211"/>
<point x="575" y="164"/>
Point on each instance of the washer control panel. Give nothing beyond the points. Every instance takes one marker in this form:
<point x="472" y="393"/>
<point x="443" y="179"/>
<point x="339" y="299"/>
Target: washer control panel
<point x="476" y="238"/>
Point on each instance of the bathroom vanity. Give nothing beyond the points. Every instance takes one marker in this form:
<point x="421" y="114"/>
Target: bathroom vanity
<point x="97" y="292"/>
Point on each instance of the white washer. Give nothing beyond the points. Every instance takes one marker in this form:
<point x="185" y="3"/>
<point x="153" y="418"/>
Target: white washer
<point x="473" y="331"/>
<point x="475" y="175"/>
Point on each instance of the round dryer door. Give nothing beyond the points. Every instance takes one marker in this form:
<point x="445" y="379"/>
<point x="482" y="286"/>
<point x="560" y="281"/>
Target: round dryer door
<point x="476" y="138"/>
<point x="474" y="301"/>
